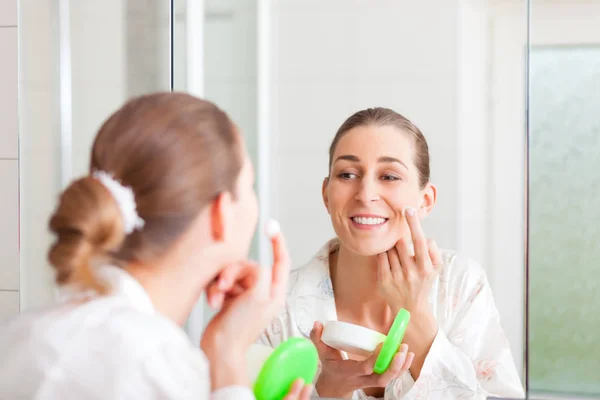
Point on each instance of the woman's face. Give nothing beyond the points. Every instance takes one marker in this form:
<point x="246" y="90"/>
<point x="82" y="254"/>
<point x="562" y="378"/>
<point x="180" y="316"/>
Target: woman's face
<point x="373" y="177"/>
<point x="244" y="213"/>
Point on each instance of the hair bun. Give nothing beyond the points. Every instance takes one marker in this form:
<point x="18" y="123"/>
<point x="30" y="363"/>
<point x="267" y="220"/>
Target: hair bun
<point x="88" y="224"/>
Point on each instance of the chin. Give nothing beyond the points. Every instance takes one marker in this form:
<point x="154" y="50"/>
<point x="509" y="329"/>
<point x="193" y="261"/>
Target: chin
<point x="367" y="247"/>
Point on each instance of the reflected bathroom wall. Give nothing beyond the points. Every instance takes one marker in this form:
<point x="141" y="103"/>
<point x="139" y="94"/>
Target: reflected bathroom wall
<point x="117" y="49"/>
<point x="564" y="186"/>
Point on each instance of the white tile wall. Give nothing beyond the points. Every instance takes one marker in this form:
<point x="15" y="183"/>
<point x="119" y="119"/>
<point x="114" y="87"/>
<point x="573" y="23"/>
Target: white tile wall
<point x="8" y="12"/>
<point x="9" y="164"/>
<point x="9" y="304"/>
<point x="8" y="92"/>
<point x="38" y="142"/>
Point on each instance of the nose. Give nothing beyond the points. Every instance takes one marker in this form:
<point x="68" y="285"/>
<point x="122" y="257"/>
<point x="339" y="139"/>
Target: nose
<point x="367" y="191"/>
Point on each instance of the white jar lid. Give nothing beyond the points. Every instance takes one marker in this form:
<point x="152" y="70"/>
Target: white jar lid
<point x="350" y="338"/>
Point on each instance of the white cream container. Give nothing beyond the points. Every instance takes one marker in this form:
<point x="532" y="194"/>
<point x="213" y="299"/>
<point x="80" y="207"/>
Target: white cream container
<point x="350" y="338"/>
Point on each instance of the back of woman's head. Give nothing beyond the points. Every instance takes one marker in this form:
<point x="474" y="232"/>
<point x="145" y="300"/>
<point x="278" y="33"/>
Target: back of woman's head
<point x="176" y="152"/>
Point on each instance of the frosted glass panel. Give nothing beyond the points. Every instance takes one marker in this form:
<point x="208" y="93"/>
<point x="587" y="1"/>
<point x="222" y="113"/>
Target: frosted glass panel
<point x="565" y="220"/>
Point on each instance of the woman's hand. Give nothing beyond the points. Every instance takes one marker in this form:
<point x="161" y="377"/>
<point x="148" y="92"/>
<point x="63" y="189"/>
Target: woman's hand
<point x="250" y="296"/>
<point x="299" y="391"/>
<point x="405" y="279"/>
<point x="339" y="378"/>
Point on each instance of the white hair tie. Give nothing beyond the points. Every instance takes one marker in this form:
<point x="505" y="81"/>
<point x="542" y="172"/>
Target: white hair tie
<point x="125" y="200"/>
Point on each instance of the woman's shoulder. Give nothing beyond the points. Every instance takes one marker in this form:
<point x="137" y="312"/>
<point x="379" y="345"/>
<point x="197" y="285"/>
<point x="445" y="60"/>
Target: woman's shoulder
<point x="461" y="273"/>
<point x="314" y="274"/>
<point x="458" y="264"/>
<point x="109" y="320"/>
<point x="95" y="337"/>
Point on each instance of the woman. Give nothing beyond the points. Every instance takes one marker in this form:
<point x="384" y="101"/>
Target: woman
<point x="167" y="213"/>
<point x="377" y="192"/>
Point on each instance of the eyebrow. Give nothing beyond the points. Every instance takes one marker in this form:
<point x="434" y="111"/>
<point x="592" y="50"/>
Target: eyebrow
<point x="384" y="159"/>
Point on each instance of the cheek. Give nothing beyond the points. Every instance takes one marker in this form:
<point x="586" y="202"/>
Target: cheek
<point x="252" y="211"/>
<point x="339" y="195"/>
<point x="247" y="215"/>
<point x="398" y="198"/>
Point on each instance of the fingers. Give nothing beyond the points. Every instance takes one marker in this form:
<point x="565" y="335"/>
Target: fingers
<point x="325" y="352"/>
<point x="215" y="293"/>
<point x="384" y="273"/>
<point x="395" y="369"/>
<point x="397" y="363"/>
<point x="231" y="282"/>
<point x="395" y="265"/>
<point x="299" y="391"/>
<point x="281" y="262"/>
<point x="214" y="297"/>
<point x="417" y="235"/>
<point x="295" y="390"/>
<point x="306" y="392"/>
<point x="407" y="364"/>
<point x="435" y="255"/>
<point x="405" y="254"/>
<point x="369" y="363"/>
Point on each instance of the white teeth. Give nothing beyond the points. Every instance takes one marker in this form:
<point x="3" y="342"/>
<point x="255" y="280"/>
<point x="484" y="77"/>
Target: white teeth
<point x="368" y="221"/>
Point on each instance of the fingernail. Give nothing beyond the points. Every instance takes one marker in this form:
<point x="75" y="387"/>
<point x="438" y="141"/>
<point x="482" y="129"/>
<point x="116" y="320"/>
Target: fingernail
<point x="400" y="358"/>
<point x="310" y="389"/>
<point x="211" y="303"/>
<point x="222" y="283"/>
<point x="272" y="228"/>
<point x="410" y="211"/>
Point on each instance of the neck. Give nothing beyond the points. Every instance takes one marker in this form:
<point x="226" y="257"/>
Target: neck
<point x="172" y="290"/>
<point x="354" y="279"/>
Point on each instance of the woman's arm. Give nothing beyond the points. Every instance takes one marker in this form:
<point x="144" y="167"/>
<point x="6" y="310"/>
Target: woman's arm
<point x="473" y="358"/>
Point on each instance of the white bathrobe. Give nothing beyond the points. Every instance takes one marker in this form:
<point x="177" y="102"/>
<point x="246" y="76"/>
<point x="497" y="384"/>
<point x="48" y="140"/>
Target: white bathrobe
<point x="470" y="357"/>
<point x="113" y="347"/>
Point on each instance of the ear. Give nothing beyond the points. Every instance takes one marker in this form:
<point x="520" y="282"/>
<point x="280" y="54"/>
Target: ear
<point x="428" y="199"/>
<point x="221" y="216"/>
<point x="324" y="193"/>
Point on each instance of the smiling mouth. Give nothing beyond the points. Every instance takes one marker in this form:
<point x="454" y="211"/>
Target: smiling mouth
<point x="369" y="221"/>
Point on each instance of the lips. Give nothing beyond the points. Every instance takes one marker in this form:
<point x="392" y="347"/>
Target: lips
<point x="369" y="220"/>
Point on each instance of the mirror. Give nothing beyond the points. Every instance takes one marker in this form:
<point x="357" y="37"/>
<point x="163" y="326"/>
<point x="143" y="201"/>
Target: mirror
<point x="290" y="76"/>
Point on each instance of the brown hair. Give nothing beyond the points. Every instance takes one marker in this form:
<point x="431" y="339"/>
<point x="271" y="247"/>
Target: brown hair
<point x="385" y="117"/>
<point x="176" y="152"/>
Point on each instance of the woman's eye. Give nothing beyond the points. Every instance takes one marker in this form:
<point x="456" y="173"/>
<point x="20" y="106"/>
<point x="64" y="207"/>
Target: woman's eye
<point x="390" y="178"/>
<point x="347" y="175"/>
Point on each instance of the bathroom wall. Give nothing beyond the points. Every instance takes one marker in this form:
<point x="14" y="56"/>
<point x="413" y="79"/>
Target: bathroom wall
<point x="9" y="161"/>
<point x="118" y="49"/>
